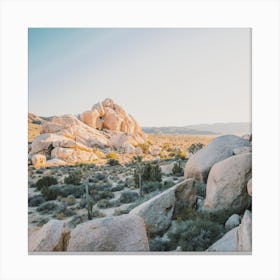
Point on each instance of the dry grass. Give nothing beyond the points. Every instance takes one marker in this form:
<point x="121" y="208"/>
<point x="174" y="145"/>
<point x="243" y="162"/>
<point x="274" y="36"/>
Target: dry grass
<point x="33" y="131"/>
<point x="179" y="141"/>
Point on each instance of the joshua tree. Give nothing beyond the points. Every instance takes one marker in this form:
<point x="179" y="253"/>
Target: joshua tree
<point x="89" y="200"/>
<point x="138" y="175"/>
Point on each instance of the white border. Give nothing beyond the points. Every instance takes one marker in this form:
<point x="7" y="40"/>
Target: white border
<point x="17" y="16"/>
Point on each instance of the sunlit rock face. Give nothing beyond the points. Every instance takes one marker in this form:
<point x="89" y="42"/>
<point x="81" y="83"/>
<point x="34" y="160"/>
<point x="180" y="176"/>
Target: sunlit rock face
<point x="71" y="139"/>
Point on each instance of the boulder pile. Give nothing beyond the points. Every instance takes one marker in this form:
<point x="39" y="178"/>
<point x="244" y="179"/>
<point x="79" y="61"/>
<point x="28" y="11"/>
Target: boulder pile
<point x="69" y="139"/>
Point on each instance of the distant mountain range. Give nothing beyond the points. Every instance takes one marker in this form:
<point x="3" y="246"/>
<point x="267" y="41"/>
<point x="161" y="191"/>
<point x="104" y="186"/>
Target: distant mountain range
<point x="202" y="129"/>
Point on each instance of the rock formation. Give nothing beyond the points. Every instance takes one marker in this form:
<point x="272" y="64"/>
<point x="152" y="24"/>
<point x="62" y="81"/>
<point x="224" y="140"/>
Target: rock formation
<point x="126" y="233"/>
<point x="226" y="187"/>
<point x="159" y="210"/>
<point x="70" y="139"/>
<point x="220" y="148"/>
<point x="53" y="236"/>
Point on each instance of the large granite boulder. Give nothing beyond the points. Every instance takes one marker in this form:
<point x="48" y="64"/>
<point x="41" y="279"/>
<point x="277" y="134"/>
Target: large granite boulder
<point x="53" y="236"/>
<point x="222" y="147"/>
<point x="226" y="187"/>
<point x="126" y="233"/>
<point x="159" y="210"/>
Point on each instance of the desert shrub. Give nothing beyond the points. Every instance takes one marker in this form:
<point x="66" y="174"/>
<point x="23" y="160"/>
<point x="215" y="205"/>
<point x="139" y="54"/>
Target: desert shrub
<point x="45" y="182"/>
<point x="158" y="244"/>
<point x="178" y="169"/>
<point x="145" y="148"/>
<point x="97" y="214"/>
<point x="147" y="172"/>
<point x="36" y="200"/>
<point x="77" y="219"/>
<point x="195" y="147"/>
<point x="200" y="189"/>
<point x="69" y="200"/>
<point x="219" y="216"/>
<point x="113" y="162"/>
<point x="118" y="187"/>
<point x="42" y="221"/>
<point x="137" y="159"/>
<point x="102" y="186"/>
<point x="99" y="176"/>
<point x="128" y="196"/>
<point x="105" y="194"/>
<point x="49" y="193"/>
<point x="47" y="207"/>
<point x="152" y="172"/>
<point x="167" y="184"/>
<point x="112" y="155"/>
<point x="66" y="190"/>
<point x="142" y="199"/>
<point x="181" y="155"/>
<point x="64" y="212"/>
<point x="193" y="235"/>
<point x="150" y="186"/>
<point x="104" y="203"/>
<point x="74" y="178"/>
<point x="120" y="211"/>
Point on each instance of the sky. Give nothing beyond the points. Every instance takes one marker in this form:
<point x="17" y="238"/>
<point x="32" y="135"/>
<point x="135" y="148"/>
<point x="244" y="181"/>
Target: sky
<point x="161" y="76"/>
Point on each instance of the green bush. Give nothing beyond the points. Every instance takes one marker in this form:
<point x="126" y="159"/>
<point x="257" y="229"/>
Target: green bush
<point x="195" y="147"/>
<point x="36" y="200"/>
<point x="166" y="185"/>
<point x="65" y="190"/>
<point x="74" y="178"/>
<point x="147" y="172"/>
<point x="47" y="207"/>
<point x="178" y="169"/>
<point x="118" y="187"/>
<point x="181" y="155"/>
<point x="63" y="212"/>
<point x="128" y="196"/>
<point x="104" y="195"/>
<point x="150" y="186"/>
<point x="104" y="203"/>
<point x="112" y="155"/>
<point x="113" y="162"/>
<point x="119" y="211"/>
<point x="45" y="182"/>
<point x="49" y="193"/>
<point x="145" y="148"/>
<point x="195" y="234"/>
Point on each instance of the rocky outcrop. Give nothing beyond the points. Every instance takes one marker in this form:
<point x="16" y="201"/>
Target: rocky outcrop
<point x="111" y="116"/>
<point x="199" y="165"/>
<point x="68" y="139"/>
<point x="126" y="233"/>
<point x="53" y="236"/>
<point x="244" y="233"/>
<point x="226" y="187"/>
<point x="159" y="210"/>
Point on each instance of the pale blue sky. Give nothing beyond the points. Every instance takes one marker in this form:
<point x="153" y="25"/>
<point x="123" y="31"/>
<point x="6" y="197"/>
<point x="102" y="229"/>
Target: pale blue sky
<point x="161" y="76"/>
